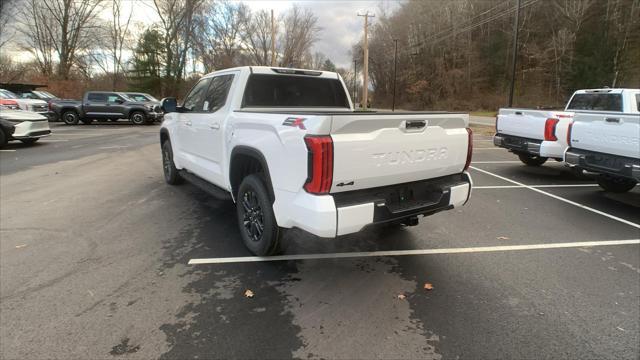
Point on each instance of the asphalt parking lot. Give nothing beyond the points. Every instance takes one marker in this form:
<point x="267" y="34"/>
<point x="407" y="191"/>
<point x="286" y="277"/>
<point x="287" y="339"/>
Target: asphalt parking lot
<point x="95" y="252"/>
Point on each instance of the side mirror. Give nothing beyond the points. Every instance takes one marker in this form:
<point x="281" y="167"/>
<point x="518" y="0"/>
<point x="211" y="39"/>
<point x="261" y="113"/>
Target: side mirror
<point x="169" y="105"/>
<point x="118" y="101"/>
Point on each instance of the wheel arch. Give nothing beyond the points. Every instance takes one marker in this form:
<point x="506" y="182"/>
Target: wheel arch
<point x="245" y="160"/>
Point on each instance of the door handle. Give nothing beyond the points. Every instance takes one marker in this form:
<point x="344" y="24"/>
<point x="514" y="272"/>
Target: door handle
<point x="612" y="120"/>
<point x="214" y="126"/>
<point x="518" y="112"/>
<point x="188" y="123"/>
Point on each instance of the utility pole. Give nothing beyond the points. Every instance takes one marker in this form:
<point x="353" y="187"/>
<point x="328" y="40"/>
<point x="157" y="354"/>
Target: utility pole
<point x="273" y="40"/>
<point x="515" y="52"/>
<point x="395" y="70"/>
<point x="355" y="82"/>
<point x="365" y="69"/>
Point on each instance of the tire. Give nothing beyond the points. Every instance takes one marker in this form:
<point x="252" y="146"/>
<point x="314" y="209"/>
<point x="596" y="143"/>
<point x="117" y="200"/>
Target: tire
<point x="70" y="117"/>
<point x="532" y="160"/>
<point x="87" y="121"/>
<point x="138" y="118"/>
<point x="258" y="227"/>
<point x="616" y="184"/>
<point x="171" y="174"/>
<point x="3" y="138"/>
<point x="30" y="141"/>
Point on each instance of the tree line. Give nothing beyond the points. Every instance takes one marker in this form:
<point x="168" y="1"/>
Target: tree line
<point x="72" y="43"/>
<point x="457" y="54"/>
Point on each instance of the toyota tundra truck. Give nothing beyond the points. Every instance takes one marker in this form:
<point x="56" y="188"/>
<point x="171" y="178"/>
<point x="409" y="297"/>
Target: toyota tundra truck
<point x="609" y="145"/>
<point x="288" y="148"/>
<point x="537" y="135"/>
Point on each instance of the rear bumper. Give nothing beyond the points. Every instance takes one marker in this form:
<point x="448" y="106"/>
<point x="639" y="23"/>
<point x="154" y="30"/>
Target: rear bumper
<point x="518" y="144"/>
<point x="603" y="163"/>
<point x="349" y="212"/>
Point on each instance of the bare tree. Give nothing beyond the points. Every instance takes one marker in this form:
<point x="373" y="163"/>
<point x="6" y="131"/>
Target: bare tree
<point x="257" y="34"/>
<point x="178" y="23"/>
<point x="118" y="35"/>
<point x="6" y="18"/>
<point x="220" y="36"/>
<point x="62" y="25"/>
<point x="300" y="32"/>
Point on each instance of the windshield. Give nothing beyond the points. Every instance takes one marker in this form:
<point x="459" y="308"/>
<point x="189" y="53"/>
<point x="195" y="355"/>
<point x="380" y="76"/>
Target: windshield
<point x="44" y="94"/>
<point x="293" y="91"/>
<point x="596" y="102"/>
<point x="141" y="97"/>
<point x="6" y="94"/>
<point x="126" y="97"/>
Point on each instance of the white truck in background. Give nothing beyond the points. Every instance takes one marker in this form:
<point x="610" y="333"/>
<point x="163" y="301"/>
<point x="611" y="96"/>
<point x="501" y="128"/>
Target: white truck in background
<point x="287" y="146"/>
<point x="607" y="144"/>
<point x="537" y="135"/>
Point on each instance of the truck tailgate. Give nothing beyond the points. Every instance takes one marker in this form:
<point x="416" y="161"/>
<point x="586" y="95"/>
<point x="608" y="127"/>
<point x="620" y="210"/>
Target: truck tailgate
<point x="373" y="150"/>
<point x="523" y="123"/>
<point x="616" y="134"/>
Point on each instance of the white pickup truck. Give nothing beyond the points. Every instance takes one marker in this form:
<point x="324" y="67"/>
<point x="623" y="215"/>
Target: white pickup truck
<point x="536" y="135"/>
<point x="287" y="146"/>
<point x="607" y="144"/>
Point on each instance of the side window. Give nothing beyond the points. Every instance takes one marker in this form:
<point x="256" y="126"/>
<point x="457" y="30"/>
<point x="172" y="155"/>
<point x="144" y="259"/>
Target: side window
<point x="217" y="93"/>
<point x="97" y="97"/>
<point x="193" y="101"/>
<point x="111" y="98"/>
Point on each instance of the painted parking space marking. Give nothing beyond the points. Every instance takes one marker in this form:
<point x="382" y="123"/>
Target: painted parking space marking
<point x="54" y="140"/>
<point x="535" y="186"/>
<point x="497" y="162"/>
<point x="627" y="222"/>
<point x="7" y="150"/>
<point x="466" y="250"/>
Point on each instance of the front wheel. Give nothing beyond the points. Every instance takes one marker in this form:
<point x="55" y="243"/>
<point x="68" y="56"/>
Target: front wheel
<point x="30" y="141"/>
<point x="3" y="138"/>
<point x="532" y="160"/>
<point x="171" y="175"/>
<point x="70" y="117"/>
<point x="258" y="227"/>
<point x="616" y="184"/>
<point x="138" y="118"/>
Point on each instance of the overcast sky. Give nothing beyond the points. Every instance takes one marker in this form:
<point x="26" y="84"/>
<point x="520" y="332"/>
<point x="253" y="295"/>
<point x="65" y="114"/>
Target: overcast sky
<point x="340" y="26"/>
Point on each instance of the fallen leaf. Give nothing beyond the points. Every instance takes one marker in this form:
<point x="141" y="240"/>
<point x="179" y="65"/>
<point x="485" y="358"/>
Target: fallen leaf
<point x="428" y="286"/>
<point x="502" y="238"/>
<point x="248" y="293"/>
<point x="21" y="246"/>
<point x="401" y="296"/>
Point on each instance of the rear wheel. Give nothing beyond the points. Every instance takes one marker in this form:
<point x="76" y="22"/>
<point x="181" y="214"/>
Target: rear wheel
<point x="70" y="117"/>
<point x="30" y="141"/>
<point x="616" y="184"/>
<point x="532" y="160"/>
<point x="138" y="118"/>
<point x="258" y="227"/>
<point x="171" y="175"/>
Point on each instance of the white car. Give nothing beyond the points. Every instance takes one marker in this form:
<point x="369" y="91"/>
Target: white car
<point x="34" y="105"/>
<point x="536" y="135"/>
<point x="25" y="126"/>
<point x="287" y="146"/>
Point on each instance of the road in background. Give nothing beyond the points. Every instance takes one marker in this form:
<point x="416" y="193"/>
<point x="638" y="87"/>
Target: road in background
<point x="95" y="250"/>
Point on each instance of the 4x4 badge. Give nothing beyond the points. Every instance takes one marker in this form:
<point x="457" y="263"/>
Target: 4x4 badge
<point x="295" y="122"/>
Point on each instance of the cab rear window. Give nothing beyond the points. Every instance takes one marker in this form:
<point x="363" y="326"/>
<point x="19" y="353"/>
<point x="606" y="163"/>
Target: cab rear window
<point x="264" y="90"/>
<point x="596" y="102"/>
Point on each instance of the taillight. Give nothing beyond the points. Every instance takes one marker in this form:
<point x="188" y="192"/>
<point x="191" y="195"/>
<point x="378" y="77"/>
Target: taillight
<point x="569" y="133"/>
<point x="320" y="165"/>
<point x="496" y="124"/>
<point x="469" y="149"/>
<point x="550" y="129"/>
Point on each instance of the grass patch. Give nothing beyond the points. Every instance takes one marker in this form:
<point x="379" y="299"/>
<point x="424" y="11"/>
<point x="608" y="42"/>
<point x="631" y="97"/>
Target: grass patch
<point x="484" y="130"/>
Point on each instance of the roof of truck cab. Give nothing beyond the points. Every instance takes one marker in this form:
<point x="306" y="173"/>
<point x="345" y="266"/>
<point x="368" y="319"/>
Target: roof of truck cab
<point x="606" y="91"/>
<point x="272" y="70"/>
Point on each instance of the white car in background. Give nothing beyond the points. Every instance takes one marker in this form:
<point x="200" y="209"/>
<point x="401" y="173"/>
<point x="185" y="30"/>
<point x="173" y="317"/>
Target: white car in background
<point x="25" y="126"/>
<point x="39" y="106"/>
